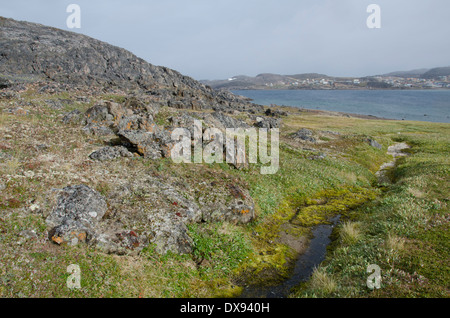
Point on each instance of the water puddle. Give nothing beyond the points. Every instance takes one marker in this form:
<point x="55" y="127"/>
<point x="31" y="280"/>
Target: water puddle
<point x="304" y="266"/>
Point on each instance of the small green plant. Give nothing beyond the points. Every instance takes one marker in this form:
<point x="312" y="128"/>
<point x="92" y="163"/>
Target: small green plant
<point x="219" y="249"/>
<point x="322" y="282"/>
<point x="350" y="232"/>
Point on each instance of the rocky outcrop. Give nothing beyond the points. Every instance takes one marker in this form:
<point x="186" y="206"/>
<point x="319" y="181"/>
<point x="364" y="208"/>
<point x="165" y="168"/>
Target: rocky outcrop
<point x="305" y="135"/>
<point x="32" y="52"/>
<point x="110" y="153"/>
<point x="54" y="61"/>
<point x="84" y="216"/>
<point x="76" y="215"/>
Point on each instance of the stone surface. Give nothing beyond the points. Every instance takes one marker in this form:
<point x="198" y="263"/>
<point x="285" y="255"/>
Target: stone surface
<point x="147" y="103"/>
<point x="305" y="135"/>
<point x="78" y="211"/>
<point x="110" y="153"/>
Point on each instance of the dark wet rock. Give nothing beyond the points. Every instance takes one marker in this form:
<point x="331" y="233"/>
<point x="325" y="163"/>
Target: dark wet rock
<point x="267" y="122"/>
<point x="275" y="113"/>
<point x="110" y="153"/>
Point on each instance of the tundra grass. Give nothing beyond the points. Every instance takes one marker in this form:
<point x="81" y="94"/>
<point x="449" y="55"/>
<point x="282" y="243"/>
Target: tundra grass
<point x="305" y="189"/>
<point x="405" y="233"/>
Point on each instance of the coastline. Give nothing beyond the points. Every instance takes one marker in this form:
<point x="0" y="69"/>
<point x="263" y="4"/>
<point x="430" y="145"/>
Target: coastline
<point x="401" y="105"/>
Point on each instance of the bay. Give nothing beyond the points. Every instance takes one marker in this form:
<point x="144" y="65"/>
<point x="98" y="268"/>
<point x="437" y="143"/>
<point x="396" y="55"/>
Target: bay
<point x="419" y="105"/>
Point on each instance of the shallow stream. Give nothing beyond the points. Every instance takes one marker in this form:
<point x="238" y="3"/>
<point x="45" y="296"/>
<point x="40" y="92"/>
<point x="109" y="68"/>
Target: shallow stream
<point x="317" y="249"/>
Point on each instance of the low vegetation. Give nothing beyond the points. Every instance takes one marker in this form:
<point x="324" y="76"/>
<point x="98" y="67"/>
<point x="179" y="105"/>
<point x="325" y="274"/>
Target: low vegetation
<point x="403" y="228"/>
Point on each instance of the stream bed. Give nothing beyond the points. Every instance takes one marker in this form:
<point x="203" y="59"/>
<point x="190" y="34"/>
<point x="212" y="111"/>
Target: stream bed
<point x="304" y="266"/>
<point x="317" y="249"/>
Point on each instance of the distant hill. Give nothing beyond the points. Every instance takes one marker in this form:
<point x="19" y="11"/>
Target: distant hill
<point x="309" y="75"/>
<point x="434" y="73"/>
<point x="305" y="80"/>
<point x="262" y="81"/>
<point x="413" y="73"/>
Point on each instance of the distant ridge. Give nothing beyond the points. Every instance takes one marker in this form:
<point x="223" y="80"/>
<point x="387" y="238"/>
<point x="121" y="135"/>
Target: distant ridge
<point x="413" y="73"/>
<point x="270" y="80"/>
<point x="437" y="72"/>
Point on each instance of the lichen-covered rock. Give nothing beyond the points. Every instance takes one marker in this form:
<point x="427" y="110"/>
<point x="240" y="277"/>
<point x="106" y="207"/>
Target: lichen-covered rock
<point x="76" y="215"/>
<point x="171" y="235"/>
<point x="232" y="204"/>
<point x="110" y="153"/>
<point x="305" y="135"/>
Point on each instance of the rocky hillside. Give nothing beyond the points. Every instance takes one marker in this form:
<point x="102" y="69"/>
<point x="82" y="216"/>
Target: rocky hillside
<point x="92" y="91"/>
<point x="436" y="73"/>
<point x="32" y="52"/>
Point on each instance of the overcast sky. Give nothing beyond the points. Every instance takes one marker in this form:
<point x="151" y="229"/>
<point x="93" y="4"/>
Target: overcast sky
<point x="216" y="39"/>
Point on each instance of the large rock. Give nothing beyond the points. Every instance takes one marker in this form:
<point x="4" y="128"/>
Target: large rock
<point x="110" y="153"/>
<point x="267" y="123"/>
<point x="78" y="211"/>
<point x="305" y="135"/>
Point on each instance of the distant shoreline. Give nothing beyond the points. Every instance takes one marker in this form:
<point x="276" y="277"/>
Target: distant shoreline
<point x="398" y="105"/>
<point x="331" y="113"/>
<point x="339" y="89"/>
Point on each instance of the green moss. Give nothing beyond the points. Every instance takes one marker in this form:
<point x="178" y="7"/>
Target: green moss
<point x="405" y="232"/>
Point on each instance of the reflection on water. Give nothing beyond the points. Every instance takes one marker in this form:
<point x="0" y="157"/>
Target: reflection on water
<point x="304" y="266"/>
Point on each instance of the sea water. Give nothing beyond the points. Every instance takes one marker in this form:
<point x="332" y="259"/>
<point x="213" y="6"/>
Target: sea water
<point x="420" y="105"/>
